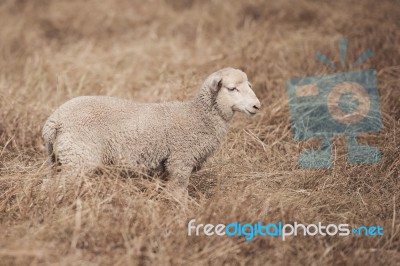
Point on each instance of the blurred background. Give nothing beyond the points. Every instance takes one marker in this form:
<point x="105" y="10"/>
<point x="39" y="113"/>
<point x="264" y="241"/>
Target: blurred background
<point x="153" y="51"/>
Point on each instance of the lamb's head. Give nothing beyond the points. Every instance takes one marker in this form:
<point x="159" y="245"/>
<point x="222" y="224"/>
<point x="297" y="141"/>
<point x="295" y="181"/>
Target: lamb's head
<point x="232" y="92"/>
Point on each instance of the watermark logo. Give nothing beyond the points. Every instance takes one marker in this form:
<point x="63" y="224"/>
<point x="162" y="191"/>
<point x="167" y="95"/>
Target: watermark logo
<point x="340" y="104"/>
<point x="283" y="231"/>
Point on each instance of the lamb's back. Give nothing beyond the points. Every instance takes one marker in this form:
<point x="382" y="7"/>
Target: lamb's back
<point x="104" y="113"/>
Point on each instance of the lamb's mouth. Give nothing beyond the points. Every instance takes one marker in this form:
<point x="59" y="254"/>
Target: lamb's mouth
<point x="250" y="113"/>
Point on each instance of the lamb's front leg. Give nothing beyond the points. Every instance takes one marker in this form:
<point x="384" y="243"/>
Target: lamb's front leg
<point x="179" y="174"/>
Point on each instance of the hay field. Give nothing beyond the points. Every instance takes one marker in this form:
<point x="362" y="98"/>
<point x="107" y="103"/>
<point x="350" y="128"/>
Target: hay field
<point x="150" y="51"/>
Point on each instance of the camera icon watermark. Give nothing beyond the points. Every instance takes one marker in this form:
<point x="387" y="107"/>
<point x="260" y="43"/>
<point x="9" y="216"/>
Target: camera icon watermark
<point x="340" y="104"/>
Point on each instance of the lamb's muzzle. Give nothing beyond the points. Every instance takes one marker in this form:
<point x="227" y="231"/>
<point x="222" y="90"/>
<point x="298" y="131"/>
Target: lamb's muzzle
<point x="178" y="137"/>
<point x="255" y="106"/>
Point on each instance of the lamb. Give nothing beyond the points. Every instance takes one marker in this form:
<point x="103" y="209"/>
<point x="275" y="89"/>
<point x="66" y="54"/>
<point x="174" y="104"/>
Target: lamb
<point x="177" y="137"/>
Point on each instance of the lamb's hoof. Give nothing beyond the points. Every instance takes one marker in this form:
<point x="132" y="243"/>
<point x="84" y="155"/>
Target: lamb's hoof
<point x="179" y="195"/>
<point x="60" y="198"/>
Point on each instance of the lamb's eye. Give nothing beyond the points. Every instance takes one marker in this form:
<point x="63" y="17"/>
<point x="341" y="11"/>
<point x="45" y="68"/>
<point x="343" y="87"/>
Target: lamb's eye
<point x="233" y="89"/>
<point x="250" y="85"/>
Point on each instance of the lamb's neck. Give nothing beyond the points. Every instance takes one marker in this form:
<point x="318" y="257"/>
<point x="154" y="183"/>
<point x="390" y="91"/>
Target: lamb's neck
<point x="209" y="113"/>
<point x="207" y="103"/>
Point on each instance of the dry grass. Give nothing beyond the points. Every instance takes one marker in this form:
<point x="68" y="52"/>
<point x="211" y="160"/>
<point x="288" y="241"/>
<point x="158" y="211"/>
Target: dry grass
<point x="52" y="51"/>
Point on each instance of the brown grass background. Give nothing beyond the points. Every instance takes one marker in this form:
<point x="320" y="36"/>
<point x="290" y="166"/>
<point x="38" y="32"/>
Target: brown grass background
<point x="150" y="51"/>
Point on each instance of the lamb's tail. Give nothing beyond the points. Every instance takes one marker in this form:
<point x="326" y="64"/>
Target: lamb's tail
<point x="49" y="134"/>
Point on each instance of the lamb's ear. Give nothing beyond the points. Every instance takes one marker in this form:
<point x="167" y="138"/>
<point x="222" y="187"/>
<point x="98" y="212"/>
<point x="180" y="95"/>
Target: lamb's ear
<point x="216" y="84"/>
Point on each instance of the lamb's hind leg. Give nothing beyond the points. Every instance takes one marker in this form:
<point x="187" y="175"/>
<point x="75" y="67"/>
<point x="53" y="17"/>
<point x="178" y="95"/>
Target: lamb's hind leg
<point x="69" y="165"/>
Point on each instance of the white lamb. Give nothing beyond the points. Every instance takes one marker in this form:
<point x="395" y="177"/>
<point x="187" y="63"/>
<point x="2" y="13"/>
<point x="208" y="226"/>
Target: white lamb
<point x="91" y="131"/>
